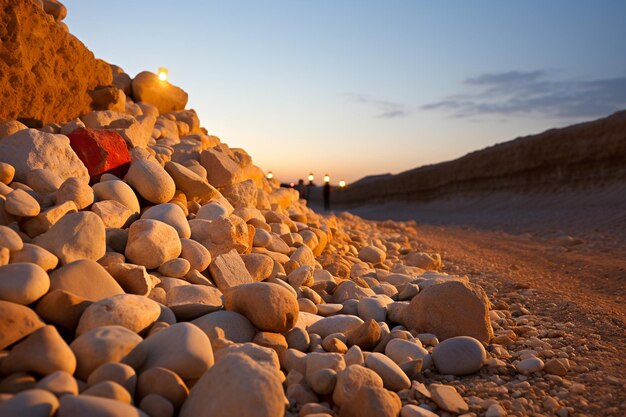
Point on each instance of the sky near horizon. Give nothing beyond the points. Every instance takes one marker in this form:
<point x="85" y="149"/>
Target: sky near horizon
<point x="359" y="87"/>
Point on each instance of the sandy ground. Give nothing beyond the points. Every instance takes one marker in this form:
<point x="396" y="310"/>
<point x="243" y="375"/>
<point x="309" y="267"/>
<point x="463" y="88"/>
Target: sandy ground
<point x="568" y="249"/>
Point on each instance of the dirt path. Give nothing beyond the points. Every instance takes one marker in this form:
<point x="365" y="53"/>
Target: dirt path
<point x="583" y="284"/>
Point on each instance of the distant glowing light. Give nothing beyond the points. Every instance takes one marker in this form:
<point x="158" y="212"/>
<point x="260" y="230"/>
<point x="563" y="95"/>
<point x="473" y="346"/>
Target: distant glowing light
<point x="269" y="175"/>
<point x="342" y="183"/>
<point x="162" y="74"/>
<point x="311" y="177"/>
<point x="291" y="184"/>
<point x="326" y="178"/>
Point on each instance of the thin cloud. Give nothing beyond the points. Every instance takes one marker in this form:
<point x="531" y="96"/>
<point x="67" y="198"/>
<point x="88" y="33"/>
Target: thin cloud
<point x="385" y="109"/>
<point x="533" y="93"/>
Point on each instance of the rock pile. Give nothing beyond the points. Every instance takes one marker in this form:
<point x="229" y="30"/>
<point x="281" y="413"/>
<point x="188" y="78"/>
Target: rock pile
<point x="148" y="269"/>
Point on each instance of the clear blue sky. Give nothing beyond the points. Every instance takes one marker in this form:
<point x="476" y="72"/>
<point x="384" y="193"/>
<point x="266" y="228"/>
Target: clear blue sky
<point x="364" y="87"/>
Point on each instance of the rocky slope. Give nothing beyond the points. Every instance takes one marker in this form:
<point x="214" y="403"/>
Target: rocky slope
<point x="586" y="155"/>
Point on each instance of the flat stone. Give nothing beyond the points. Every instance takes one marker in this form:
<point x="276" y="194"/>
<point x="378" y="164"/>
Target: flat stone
<point x="30" y="403"/>
<point x="113" y="213"/>
<point x="411" y="410"/>
<point x="133" y="279"/>
<point x="341" y="323"/>
<point x="87" y="405"/>
<point x="86" y="279"/>
<point x="228" y="270"/>
<point x="448" y="399"/>
<point x="393" y="377"/>
<point x="236" y="327"/>
<point x="47" y="218"/>
<point x="221" y="170"/>
<point x="192" y="301"/>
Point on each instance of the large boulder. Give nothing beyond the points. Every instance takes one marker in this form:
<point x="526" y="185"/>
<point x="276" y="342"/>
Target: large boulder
<point x="45" y="72"/>
<point x="164" y="96"/>
<point x="450" y="309"/>
<point x="30" y="149"/>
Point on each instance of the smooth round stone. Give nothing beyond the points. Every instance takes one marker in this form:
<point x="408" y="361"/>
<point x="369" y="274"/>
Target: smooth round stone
<point x="151" y="181"/>
<point x="460" y="355"/>
<point x="119" y="191"/>
<point x="212" y="211"/>
<point x="87" y="405"/>
<point x="172" y="214"/>
<point x="340" y="323"/>
<point x="109" y="389"/>
<point x="86" y="279"/>
<point x="237" y="328"/>
<point x="411" y="410"/>
<point x="372" y="308"/>
<point x="198" y="256"/>
<point x="152" y="243"/>
<point x="34" y="254"/>
<point x="10" y="239"/>
<point x="401" y="351"/>
<point x="115" y="372"/>
<point x="393" y="377"/>
<point x="262" y="238"/>
<point x="350" y="380"/>
<point x="23" y="283"/>
<point x="307" y="306"/>
<point x="328" y="309"/>
<point x="135" y="312"/>
<point x="323" y="381"/>
<point x="76" y="190"/>
<point x="103" y="345"/>
<point x="163" y="382"/>
<point x="298" y="338"/>
<point x="7" y="172"/>
<point x="24" y="321"/>
<point x="182" y="348"/>
<point x="372" y="254"/>
<point x="59" y="383"/>
<point x="157" y="406"/>
<point x="526" y="366"/>
<point x="43" y="352"/>
<point x="373" y="402"/>
<point x="176" y="268"/>
<point x="20" y="203"/>
<point x="30" y="403"/>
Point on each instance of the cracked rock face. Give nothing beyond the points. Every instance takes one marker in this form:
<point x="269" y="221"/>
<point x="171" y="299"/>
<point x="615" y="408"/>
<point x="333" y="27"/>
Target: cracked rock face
<point x="45" y="72"/>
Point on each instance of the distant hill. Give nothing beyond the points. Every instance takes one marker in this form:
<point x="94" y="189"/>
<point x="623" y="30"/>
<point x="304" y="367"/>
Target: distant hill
<point x="590" y="154"/>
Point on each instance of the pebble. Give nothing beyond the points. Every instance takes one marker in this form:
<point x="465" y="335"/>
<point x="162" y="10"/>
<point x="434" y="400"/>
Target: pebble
<point x="131" y="311"/>
<point x="393" y="377"/>
<point x="447" y="398"/>
<point x="23" y="283"/>
<point x="529" y="365"/>
<point x="460" y="355"/>
<point x="20" y="203"/>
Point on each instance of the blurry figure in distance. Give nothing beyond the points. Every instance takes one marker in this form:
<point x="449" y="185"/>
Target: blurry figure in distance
<point x="326" y="196"/>
<point x="301" y="189"/>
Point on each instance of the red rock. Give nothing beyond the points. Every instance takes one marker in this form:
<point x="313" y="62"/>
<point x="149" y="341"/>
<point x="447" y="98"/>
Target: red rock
<point x="102" y="151"/>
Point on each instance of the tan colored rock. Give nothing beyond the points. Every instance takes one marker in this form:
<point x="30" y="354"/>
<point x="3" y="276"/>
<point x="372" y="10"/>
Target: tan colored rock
<point x="195" y="187"/>
<point x="32" y="149"/>
<point x="59" y="383"/>
<point x="461" y="355"/>
<point x="172" y="215"/>
<point x="76" y="190"/>
<point x="340" y="323"/>
<point x="131" y="311"/>
<point x="242" y="194"/>
<point x="43" y="352"/>
<point x="10" y="239"/>
<point x="10" y="127"/>
<point x="393" y="377"/>
<point x="366" y="335"/>
<point x="234" y="326"/>
<point x="119" y="191"/>
<point x="303" y="256"/>
<point x="372" y="254"/>
<point x="372" y="402"/>
<point x="451" y="309"/>
<point x="164" y="96"/>
<point x="36" y="255"/>
<point x="228" y="270"/>
<point x="86" y="279"/>
<point x="192" y="301"/>
<point x="133" y="279"/>
<point x="152" y="243"/>
<point x="221" y="169"/>
<point x="76" y="236"/>
<point x="151" y="181"/>
<point x="113" y="213"/>
<point x="259" y="266"/>
<point x="233" y="375"/>
<point x="7" y="172"/>
<point x="269" y="307"/>
<point x="447" y="398"/>
<point x="43" y="180"/>
<point x="16" y="322"/>
<point x="47" y="218"/>
<point x="30" y="403"/>
<point x="423" y="260"/>
<point x="62" y="308"/>
<point x="23" y="283"/>
<point x="157" y="406"/>
<point x="115" y="372"/>
<point x="163" y="382"/>
<point x="222" y="235"/>
<point x="103" y="345"/>
<point x="20" y="203"/>
<point x="350" y="380"/>
<point x="108" y="389"/>
<point x="88" y="405"/>
<point x="198" y="256"/>
<point x="189" y="357"/>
